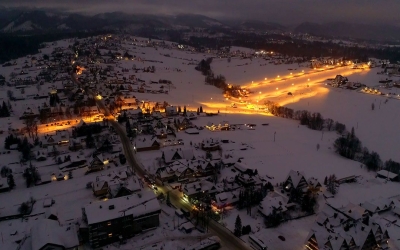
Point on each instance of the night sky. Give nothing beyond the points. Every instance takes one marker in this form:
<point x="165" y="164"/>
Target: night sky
<point x="281" y="11"/>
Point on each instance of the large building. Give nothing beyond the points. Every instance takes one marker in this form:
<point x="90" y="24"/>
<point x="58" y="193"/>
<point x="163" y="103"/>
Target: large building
<point x="121" y="218"/>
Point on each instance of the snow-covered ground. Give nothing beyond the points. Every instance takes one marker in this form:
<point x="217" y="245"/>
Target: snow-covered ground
<point x="294" y="146"/>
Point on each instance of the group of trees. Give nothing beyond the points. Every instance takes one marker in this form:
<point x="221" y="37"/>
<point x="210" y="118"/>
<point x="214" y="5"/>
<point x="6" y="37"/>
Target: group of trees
<point x="129" y="131"/>
<point x="6" y="172"/>
<point x="31" y="176"/>
<point x="205" y="66"/>
<point x="239" y="229"/>
<point x="348" y="145"/>
<point x="4" y="111"/>
<point x="218" y="81"/>
<point x="331" y="185"/>
<point x="249" y="197"/>
<point x="54" y="100"/>
<point x="10" y="140"/>
<point x="314" y="121"/>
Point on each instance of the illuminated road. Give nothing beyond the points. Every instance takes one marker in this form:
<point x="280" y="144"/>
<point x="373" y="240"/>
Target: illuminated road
<point x="281" y="89"/>
<point x="228" y="240"/>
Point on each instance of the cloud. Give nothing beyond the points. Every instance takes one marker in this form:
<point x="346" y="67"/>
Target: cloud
<point x="281" y="11"/>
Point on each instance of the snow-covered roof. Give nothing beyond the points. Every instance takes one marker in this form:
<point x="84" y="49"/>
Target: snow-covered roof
<point x="269" y="204"/>
<point x="139" y="204"/>
<point x="387" y="174"/>
<point x="296" y="177"/>
<point x="145" y="142"/>
<point x="182" y="153"/>
<point x="353" y="211"/>
<point x="50" y="232"/>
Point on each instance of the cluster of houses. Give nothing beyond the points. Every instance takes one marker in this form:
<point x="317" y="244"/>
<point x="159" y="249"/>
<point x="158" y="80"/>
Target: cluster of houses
<point x="349" y="227"/>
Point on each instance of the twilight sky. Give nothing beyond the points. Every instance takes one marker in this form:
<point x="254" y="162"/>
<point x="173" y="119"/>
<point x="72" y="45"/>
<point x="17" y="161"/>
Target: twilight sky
<point x="281" y="11"/>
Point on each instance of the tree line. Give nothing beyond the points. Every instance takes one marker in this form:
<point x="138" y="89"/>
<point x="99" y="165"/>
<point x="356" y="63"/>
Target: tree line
<point x="347" y="144"/>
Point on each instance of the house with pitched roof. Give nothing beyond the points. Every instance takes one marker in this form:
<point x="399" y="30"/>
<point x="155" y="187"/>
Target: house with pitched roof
<point x="146" y="144"/>
<point x="331" y="231"/>
<point x="49" y="234"/>
<point x="197" y="190"/>
<point x="98" y="162"/>
<point x="272" y="205"/>
<point x="171" y="155"/>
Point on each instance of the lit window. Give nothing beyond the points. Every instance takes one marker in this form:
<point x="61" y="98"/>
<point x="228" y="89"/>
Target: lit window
<point x="109" y="223"/>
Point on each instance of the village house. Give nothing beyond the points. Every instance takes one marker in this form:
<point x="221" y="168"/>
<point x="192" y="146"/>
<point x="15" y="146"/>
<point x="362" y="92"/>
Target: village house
<point x="134" y="113"/>
<point x="118" y="187"/>
<point x="191" y="115"/>
<point x="98" y="163"/>
<point x="49" y="234"/>
<point x="146" y="144"/>
<point x="185" y="170"/>
<point x="74" y="160"/>
<point x="385" y="174"/>
<point x="225" y="199"/>
<point x="197" y="190"/>
<point x="295" y="180"/>
<point x="271" y="205"/>
<point x="60" y="137"/>
<point x="331" y="231"/>
<point x="170" y="155"/>
<point x="183" y="123"/>
<point x="100" y="188"/>
<point x="378" y="205"/>
<point x="121" y="218"/>
<point x="210" y="144"/>
<point x="157" y="115"/>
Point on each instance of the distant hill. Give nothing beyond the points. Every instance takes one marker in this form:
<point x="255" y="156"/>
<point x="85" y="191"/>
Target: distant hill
<point x="350" y="30"/>
<point x="256" y="25"/>
<point x="38" y="21"/>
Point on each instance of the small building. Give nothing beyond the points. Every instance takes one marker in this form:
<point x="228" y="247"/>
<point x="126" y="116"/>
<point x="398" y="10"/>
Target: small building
<point x="226" y="199"/>
<point x="187" y="227"/>
<point x="385" y="174"/>
<point x="98" y="163"/>
<point x="100" y="188"/>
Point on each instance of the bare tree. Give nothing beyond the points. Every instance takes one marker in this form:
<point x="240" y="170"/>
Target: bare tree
<point x="31" y="126"/>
